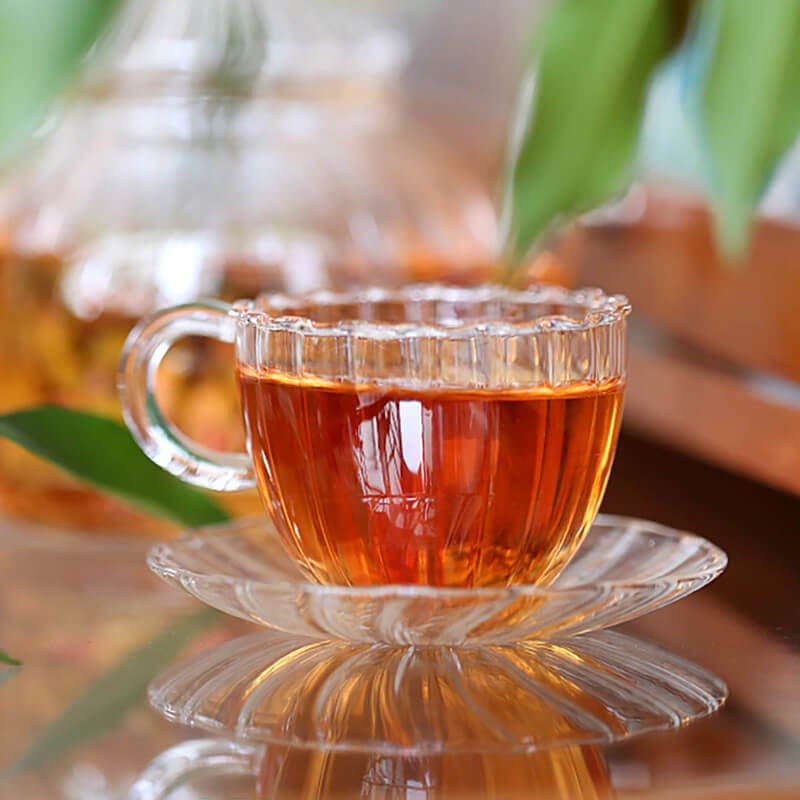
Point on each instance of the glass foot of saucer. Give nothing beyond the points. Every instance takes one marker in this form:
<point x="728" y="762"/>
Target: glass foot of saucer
<point x="624" y="568"/>
<point x="273" y="688"/>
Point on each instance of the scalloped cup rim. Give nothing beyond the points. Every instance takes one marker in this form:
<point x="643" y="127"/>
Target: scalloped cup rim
<point x="600" y="310"/>
<point x="717" y="557"/>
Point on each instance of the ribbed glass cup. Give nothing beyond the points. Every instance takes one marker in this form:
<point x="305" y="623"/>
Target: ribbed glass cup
<point x="487" y="338"/>
<point x="430" y="435"/>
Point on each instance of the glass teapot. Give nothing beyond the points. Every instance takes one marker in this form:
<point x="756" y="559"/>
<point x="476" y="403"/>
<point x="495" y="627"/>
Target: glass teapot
<point x="213" y="148"/>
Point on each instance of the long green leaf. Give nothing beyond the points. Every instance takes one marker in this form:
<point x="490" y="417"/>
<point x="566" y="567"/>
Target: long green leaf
<point x="103" y="453"/>
<point x="751" y="102"/>
<point x="582" y="122"/>
<point x="103" y="705"/>
<point x="41" y="43"/>
<point x="5" y="658"/>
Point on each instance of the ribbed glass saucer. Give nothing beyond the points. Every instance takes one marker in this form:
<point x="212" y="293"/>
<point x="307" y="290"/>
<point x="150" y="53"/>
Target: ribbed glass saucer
<point x="624" y="568"/>
<point x="272" y="687"/>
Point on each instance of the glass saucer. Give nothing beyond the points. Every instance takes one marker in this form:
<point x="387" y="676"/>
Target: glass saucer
<point x="623" y="569"/>
<point x="272" y="687"/>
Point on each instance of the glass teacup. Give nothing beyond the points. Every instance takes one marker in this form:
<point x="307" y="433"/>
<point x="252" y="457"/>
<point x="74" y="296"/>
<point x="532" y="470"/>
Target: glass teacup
<point x="430" y="435"/>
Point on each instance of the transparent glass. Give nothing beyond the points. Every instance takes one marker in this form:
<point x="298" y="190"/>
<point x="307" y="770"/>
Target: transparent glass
<point x="173" y="769"/>
<point x="283" y="689"/>
<point x="623" y="569"/>
<point x="301" y="773"/>
<point x="430" y="435"/>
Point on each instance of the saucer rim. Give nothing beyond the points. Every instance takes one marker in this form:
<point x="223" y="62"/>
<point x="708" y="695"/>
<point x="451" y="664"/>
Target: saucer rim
<point x="158" y="562"/>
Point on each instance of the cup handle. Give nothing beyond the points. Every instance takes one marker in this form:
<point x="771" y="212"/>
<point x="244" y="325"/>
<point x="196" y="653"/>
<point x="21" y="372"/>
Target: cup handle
<point x="144" y="349"/>
<point x="194" y="759"/>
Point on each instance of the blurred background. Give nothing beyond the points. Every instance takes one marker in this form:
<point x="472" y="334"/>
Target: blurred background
<point x="212" y="148"/>
<point x="220" y="149"/>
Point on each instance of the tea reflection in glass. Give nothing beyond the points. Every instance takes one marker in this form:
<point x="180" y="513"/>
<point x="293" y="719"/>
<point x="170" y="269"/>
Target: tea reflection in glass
<point x="564" y="773"/>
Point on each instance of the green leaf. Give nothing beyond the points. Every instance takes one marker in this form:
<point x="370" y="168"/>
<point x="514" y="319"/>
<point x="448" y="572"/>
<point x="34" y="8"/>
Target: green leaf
<point x="5" y="658"/>
<point x="41" y="44"/>
<point x="582" y="118"/>
<point x="751" y="103"/>
<point x="11" y="669"/>
<point x="104" y="704"/>
<point x="103" y="453"/>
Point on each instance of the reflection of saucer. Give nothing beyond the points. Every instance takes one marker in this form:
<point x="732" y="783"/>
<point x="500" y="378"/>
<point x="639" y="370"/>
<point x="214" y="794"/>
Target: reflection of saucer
<point x="623" y="569"/>
<point x="282" y="689"/>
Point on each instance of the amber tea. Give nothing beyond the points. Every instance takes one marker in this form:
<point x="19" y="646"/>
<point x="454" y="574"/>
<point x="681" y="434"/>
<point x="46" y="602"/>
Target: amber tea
<point x="374" y="485"/>
<point x="429" y="435"/>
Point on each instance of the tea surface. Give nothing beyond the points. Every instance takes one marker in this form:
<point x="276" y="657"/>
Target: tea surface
<point x="380" y="484"/>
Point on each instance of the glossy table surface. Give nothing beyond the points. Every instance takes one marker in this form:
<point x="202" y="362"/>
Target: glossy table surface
<point x="71" y="607"/>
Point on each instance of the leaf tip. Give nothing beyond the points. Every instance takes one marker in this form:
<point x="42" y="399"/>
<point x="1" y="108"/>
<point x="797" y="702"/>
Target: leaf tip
<point x="5" y="658"/>
<point x="732" y="230"/>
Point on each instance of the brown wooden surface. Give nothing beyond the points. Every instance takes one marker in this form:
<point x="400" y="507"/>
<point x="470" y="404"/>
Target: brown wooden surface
<point x="714" y="335"/>
<point x="714" y="415"/>
<point x="756" y="525"/>
<point x="748" y="313"/>
<point x="745" y="627"/>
